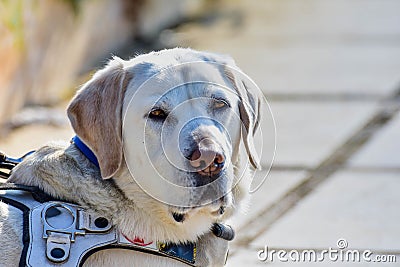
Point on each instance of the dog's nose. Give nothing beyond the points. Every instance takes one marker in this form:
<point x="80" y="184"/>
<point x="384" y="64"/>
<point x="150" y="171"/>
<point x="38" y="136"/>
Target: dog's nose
<point x="207" y="162"/>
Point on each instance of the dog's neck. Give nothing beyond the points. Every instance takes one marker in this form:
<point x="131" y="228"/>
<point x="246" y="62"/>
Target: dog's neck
<point x="65" y="173"/>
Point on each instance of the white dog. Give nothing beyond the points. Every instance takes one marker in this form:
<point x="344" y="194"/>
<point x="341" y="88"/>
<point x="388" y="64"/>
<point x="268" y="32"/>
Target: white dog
<point x="167" y="129"/>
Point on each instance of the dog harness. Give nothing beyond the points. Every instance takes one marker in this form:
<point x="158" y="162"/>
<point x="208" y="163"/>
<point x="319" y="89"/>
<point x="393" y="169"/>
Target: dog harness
<point x="60" y="233"/>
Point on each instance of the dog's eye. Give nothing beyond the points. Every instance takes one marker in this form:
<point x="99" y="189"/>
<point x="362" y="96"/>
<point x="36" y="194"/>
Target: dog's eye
<point x="220" y="103"/>
<point x="157" y="114"/>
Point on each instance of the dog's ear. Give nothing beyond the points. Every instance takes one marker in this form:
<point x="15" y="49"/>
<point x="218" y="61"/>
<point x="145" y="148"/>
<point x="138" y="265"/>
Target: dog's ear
<point x="95" y="114"/>
<point x="249" y="109"/>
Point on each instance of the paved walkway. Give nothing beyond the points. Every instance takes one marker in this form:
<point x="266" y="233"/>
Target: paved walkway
<point x="331" y="73"/>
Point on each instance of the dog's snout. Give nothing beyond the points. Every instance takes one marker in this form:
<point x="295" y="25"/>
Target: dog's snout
<point x="202" y="144"/>
<point x="207" y="162"/>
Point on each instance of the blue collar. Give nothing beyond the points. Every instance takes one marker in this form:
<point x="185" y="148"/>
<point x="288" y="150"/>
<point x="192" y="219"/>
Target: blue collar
<point x="85" y="150"/>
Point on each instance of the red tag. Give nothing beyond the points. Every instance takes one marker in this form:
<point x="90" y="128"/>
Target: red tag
<point x="138" y="241"/>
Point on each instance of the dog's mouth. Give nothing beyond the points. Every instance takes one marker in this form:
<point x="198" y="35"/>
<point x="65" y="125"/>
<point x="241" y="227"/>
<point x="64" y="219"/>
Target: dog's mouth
<point x="216" y="209"/>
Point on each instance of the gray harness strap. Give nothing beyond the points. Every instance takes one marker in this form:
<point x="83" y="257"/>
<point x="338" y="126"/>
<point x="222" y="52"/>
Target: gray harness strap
<point x="57" y="233"/>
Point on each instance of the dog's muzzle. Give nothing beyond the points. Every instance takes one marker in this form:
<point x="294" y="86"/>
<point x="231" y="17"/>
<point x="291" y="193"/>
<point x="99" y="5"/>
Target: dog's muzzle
<point x="199" y="143"/>
<point x="207" y="160"/>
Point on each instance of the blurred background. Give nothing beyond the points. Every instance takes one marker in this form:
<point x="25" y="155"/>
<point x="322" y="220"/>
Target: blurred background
<point x="330" y="70"/>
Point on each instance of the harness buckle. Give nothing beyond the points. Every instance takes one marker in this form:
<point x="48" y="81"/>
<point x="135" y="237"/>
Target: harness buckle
<point x="60" y="217"/>
<point x="62" y="222"/>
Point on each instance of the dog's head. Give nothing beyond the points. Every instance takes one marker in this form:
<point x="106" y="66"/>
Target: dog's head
<point x="176" y="120"/>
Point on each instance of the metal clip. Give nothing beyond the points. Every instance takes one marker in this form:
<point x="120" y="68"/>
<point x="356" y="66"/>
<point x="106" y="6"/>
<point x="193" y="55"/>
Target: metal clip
<point x="60" y="218"/>
<point x="92" y="222"/>
<point x="58" y="246"/>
